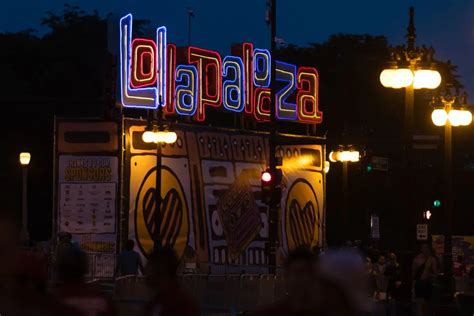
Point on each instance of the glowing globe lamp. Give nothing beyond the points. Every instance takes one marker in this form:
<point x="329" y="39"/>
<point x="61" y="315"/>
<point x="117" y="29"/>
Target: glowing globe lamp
<point x="439" y="117"/>
<point x="455" y="117"/>
<point x="426" y="79"/>
<point x="466" y="118"/>
<point x="386" y="77"/>
<point x="402" y="78"/>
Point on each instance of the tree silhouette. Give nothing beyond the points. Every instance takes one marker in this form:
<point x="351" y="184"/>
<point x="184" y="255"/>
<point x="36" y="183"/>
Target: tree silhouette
<point x="68" y="71"/>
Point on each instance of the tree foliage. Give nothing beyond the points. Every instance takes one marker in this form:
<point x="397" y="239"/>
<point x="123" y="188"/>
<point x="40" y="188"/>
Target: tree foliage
<point x="66" y="72"/>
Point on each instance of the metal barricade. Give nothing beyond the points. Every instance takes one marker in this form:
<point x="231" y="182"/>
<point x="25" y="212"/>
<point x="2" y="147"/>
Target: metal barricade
<point x="249" y="287"/>
<point x="217" y="293"/>
<point x="266" y="290"/>
<point x="279" y="287"/>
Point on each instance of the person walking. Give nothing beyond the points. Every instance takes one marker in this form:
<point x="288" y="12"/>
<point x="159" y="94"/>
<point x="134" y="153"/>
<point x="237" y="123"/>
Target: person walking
<point x="424" y="271"/>
<point x="393" y="273"/>
<point x="73" y="291"/>
<point x="381" y="286"/>
<point x="300" y="285"/>
<point x="314" y="288"/>
<point x="129" y="261"/>
<point x="161" y="277"/>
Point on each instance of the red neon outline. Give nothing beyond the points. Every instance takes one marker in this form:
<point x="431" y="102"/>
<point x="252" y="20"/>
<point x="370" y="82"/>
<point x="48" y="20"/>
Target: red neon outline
<point x="204" y="99"/>
<point x="150" y="81"/>
<point x="171" y="80"/>
<point x="207" y="81"/>
<point x="142" y="74"/>
<point x="265" y="117"/>
<point x="303" y="95"/>
<point x="246" y="50"/>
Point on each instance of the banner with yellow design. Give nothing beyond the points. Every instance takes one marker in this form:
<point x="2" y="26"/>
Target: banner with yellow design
<point x="211" y="213"/>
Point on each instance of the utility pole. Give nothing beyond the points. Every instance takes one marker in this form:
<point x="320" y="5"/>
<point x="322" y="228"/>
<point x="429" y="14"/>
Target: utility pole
<point x="345" y="195"/>
<point x="25" y="161"/>
<point x="158" y="198"/>
<point x="190" y="17"/>
<point x="448" y="169"/>
<point x="273" y="213"/>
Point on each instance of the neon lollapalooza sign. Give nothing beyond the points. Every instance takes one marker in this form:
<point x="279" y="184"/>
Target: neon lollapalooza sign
<point x="150" y="75"/>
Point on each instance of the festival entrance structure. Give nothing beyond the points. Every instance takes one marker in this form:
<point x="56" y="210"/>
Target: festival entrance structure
<point x="212" y="212"/>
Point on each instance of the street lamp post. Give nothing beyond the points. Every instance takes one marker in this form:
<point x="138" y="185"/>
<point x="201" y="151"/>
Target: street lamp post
<point x="345" y="156"/>
<point x="25" y="158"/>
<point x="412" y="68"/>
<point x="157" y="133"/>
<point x="452" y="113"/>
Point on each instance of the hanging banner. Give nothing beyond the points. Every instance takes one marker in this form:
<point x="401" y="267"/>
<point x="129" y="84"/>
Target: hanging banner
<point x="100" y="249"/>
<point x="211" y="212"/>
<point x="87" y="194"/>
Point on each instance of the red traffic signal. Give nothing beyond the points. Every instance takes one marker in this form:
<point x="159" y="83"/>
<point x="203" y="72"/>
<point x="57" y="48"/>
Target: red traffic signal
<point x="266" y="176"/>
<point x="270" y="185"/>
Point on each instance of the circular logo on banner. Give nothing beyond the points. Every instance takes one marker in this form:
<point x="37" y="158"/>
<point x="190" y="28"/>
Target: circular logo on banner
<point x="301" y="215"/>
<point x="174" y="228"/>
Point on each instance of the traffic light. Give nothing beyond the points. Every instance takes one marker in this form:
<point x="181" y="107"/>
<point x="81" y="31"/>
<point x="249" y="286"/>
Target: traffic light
<point x="369" y="167"/>
<point x="266" y="177"/>
<point x="436" y="203"/>
<point x="271" y="186"/>
<point x="427" y="214"/>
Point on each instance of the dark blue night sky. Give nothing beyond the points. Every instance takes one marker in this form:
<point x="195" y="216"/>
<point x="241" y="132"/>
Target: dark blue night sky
<point x="448" y="25"/>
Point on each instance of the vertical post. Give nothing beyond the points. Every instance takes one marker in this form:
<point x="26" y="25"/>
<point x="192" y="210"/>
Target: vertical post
<point x="448" y="160"/>
<point x="409" y="91"/>
<point x="24" y="215"/>
<point x="158" y="199"/>
<point x="410" y="54"/>
<point x="409" y="122"/>
<point x="158" y="241"/>
<point x="345" y="199"/>
<point x="273" y="217"/>
<point x="411" y="31"/>
<point x="190" y="16"/>
<point x="408" y="200"/>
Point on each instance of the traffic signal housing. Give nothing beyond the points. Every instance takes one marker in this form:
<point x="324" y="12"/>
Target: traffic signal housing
<point x="271" y="186"/>
<point x="427" y="214"/>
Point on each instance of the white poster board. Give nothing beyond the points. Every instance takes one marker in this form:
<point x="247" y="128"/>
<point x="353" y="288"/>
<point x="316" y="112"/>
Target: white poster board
<point x="87" y="194"/>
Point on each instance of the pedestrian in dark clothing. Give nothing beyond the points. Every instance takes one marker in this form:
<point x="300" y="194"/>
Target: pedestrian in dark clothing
<point x="300" y="286"/>
<point x="73" y="291"/>
<point x="424" y="269"/>
<point x="381" y="280"/>
<point x="161" y="277"/>
<point x="393" y="274"/>
<point x="312" y="289"/>
<point x="23" y="278"/>
<point x="459" y="267"/>
<point x="129" y="261"/>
